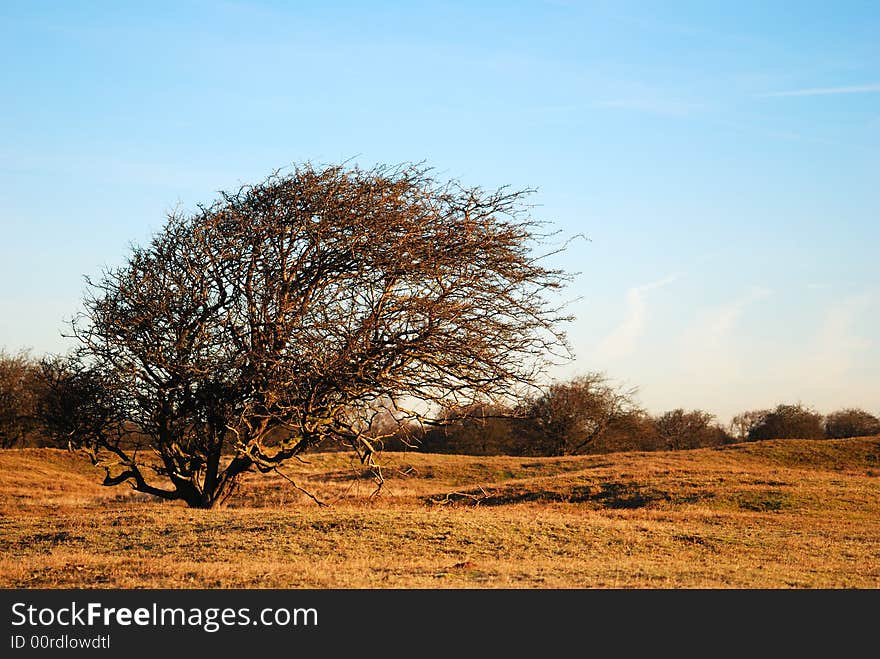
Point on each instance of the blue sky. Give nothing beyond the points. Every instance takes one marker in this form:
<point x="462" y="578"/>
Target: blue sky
<point x="722" y="158"/>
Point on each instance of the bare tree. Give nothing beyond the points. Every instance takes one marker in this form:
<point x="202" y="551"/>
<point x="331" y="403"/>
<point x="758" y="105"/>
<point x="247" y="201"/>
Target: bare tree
<point x="789" y="422"/>
<point x="477" y="429"/>
<point x="283" y="314"/>
<point x="680" y="429"/>
<point x="851" y="422"/>
<point x="743" y="423"/>
<point x="569" y="417"/>
<point x="19" y="393"/>
<point x="84" y="408"/>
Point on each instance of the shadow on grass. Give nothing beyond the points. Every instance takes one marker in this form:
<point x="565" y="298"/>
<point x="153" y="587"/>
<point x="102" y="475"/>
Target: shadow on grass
<point x="610" y="495"/>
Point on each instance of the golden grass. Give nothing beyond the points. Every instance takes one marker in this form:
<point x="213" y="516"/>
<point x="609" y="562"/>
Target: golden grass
<point x="778" y="514"/>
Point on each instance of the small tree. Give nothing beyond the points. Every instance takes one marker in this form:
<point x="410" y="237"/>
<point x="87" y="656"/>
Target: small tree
<point x="851" y="422"/>
<point x="630" y="432"/>
<point x="742" y="424"/>
<point x="279" y="317"/>
<point x="476" y="429"/>
<point x="789" y="422"/>
<point x="568" y="418"/>
<point x="680" y="429"/>
<point x="20" y="390"/>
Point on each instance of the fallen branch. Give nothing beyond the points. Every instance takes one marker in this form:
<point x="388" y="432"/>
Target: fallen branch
<point x="301" y="489"/>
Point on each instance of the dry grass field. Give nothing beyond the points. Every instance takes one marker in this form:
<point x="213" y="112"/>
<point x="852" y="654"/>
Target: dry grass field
<point x="776" y="514"/>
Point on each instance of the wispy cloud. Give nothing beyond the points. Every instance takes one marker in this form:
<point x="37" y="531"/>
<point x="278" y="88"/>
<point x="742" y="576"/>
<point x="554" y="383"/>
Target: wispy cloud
<point x="873" y="88"/>
<point x="829" y="366"/>
<point x="837" y="345"/>
<point x="659" y="106"/>
<point x="721" y="322"/>
<point x="622" y="340"/>
<point x="709" y="346"/>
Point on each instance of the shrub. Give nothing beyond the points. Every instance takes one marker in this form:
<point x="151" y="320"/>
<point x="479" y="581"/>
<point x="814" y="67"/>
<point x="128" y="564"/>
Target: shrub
<point x="476" y="430"/>
<point x="789" y="422"/>
<point x="851" y="422"/>
<point x="680" y="429"/>
<point x="20" y="391"/>
<point x="572" y="417"/>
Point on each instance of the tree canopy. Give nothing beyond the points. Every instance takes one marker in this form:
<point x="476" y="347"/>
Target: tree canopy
<point x="288" y="313"/>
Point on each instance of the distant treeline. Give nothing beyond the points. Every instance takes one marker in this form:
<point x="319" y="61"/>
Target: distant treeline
<point x="588" y="414"/>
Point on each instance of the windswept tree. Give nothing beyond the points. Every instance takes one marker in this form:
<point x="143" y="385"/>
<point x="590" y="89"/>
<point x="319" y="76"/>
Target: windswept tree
<point x="568" y="418"/>
<point x="281" y="316"/>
